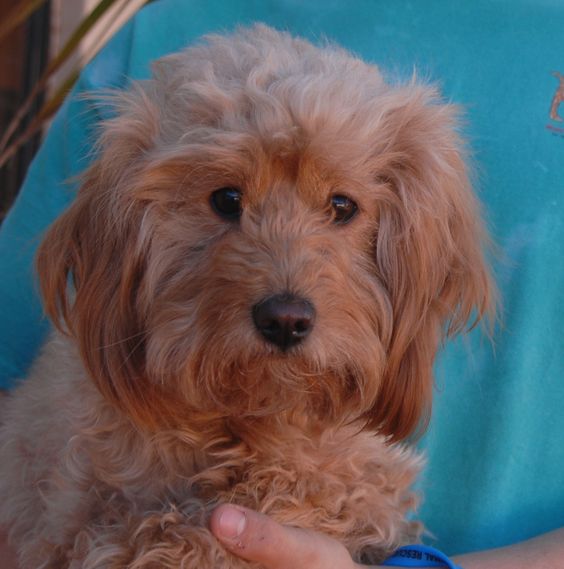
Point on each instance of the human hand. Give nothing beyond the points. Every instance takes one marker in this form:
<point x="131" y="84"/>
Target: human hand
<point x="256" y="537"/>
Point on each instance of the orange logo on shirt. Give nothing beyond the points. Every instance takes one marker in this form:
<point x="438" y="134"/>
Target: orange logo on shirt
<point x="555" y="104"/>
<point x="558" y="98"/>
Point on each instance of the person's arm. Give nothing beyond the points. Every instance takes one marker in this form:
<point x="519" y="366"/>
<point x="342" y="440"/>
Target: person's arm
<point x="542" y="552"/>
<point x="256" y="537"/>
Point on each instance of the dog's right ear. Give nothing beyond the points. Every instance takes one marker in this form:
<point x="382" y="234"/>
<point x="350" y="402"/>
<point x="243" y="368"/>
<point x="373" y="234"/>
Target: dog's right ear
<point x="92" y="261"/>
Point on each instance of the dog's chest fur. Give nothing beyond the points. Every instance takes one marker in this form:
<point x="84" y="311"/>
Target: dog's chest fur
<point x="92" y="469"/>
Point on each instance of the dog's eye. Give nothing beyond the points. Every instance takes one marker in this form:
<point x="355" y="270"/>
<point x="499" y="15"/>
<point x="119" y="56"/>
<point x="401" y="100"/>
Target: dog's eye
<point x="344" y="209"/>
<point x="227" y="203"/>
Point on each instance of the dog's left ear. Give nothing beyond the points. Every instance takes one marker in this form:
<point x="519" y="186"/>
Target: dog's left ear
<point x="101" y="245"/>
<point x="429" y="251"/>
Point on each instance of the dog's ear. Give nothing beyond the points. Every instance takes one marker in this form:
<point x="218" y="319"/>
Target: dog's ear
<point x="91" y="264"/>
<point x="429" y="252"/>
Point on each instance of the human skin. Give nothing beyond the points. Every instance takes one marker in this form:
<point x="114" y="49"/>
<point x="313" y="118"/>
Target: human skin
<point x="256" y="537"/>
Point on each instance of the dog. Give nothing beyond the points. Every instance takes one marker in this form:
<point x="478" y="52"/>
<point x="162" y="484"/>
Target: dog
<point x="249" y="292"/>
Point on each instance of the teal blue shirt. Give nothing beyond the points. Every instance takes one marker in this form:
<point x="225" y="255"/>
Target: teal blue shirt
<point x="495" y="446"/>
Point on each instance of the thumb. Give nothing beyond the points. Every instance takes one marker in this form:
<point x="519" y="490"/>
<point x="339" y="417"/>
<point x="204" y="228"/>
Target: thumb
<point x="256" y="537"/>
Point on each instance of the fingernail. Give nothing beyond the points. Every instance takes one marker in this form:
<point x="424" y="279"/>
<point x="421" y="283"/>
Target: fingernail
<point x="232" y="523"/>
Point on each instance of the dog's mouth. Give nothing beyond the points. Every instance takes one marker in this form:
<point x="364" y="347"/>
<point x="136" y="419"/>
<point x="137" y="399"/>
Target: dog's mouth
<point x="285" y="381"/>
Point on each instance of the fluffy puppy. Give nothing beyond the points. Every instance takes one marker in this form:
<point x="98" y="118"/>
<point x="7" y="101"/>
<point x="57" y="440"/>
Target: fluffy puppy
<point x="250" y="289"/>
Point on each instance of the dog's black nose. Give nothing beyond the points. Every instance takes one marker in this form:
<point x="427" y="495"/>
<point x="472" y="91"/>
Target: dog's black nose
<point x="284" y="319"/>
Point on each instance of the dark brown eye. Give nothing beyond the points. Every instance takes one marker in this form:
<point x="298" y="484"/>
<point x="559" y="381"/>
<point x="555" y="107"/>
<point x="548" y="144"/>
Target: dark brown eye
<point x="226" y="202"/>
<point x="344" y="209"/>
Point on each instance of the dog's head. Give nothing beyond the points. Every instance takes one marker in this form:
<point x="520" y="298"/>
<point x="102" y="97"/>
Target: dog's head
<point x="270" y="228"/>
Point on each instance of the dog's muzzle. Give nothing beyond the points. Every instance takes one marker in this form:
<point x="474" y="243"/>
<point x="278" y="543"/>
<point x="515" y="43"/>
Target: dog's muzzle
<point x="284" y="320"/>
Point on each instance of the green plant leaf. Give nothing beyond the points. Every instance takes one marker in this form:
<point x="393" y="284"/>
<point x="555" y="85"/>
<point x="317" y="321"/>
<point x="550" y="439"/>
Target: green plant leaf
<point x="48" y="109"/>
<point x="78" y="35"/>
<point x="51" y="106"/>
<point x="8" y="146"/>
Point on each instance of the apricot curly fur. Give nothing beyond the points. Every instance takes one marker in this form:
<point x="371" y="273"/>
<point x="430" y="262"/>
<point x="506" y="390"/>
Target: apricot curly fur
<point x="157" y="399"/>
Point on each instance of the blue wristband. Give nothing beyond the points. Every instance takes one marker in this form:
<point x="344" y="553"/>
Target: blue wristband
<point x="419" y="556"/>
